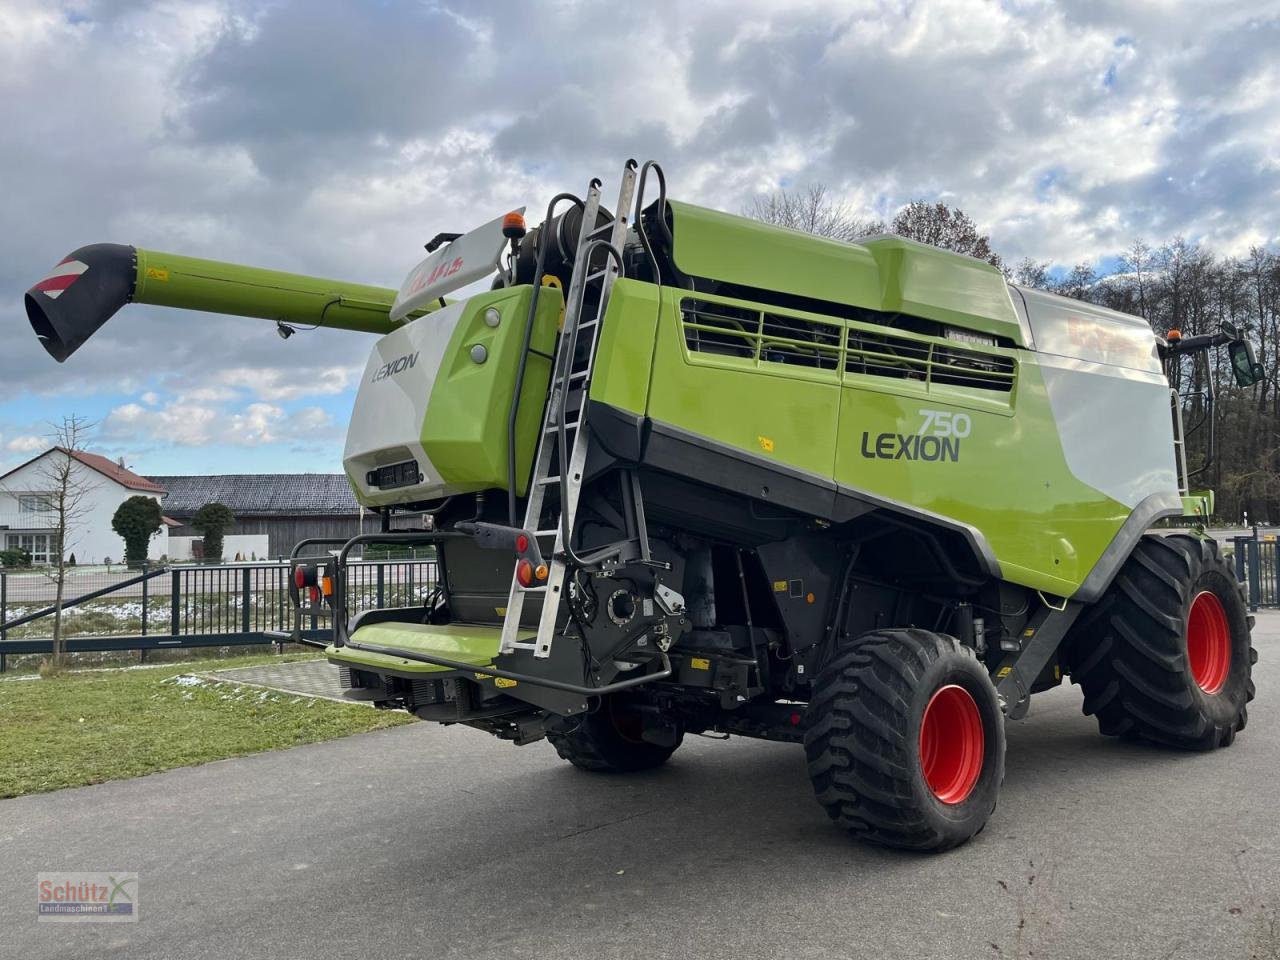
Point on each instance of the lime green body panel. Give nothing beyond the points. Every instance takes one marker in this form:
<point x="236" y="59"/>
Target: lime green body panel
<point x="1009" y="480"/>
<point x="889" y="274"/>
<point x="624" y="360"/>
<point x="466" y="643"/>
<point x="171" y="280"/>
<point x="787" y="414"/>
<point x="464" y="431"/>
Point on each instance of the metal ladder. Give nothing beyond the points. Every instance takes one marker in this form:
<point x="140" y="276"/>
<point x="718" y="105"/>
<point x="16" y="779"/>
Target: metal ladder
<point x="564" y="438"/>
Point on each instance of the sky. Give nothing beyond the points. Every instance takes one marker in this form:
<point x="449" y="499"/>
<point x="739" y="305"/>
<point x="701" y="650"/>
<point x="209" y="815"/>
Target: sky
<point x="335" y="138"/>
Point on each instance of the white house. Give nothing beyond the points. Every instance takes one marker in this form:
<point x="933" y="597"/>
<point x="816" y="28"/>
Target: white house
<point x="28" y="520"/>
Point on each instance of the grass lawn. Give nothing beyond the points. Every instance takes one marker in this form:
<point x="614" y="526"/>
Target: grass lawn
<point x="93" y="726"/>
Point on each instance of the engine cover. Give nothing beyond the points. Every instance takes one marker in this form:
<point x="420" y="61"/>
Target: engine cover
<point x="431" y="413"/>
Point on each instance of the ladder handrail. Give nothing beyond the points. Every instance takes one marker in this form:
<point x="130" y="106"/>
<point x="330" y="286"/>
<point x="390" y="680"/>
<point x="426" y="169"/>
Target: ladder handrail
<point x="554" y="442"/>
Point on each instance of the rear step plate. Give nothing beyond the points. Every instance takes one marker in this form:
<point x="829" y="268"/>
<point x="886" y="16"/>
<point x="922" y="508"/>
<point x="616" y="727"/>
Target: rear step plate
<point x="468" y="643"/>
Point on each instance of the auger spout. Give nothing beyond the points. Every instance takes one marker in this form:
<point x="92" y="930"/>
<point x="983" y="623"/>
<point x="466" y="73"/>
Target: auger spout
<point x="86" y="289"/>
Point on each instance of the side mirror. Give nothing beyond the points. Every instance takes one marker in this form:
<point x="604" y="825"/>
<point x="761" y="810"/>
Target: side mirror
<point x="1244" y="364"/>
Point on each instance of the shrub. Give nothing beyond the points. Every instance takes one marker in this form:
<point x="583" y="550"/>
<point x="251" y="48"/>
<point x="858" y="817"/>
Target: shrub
<point x="137" y="520"/>
<point x="211" y="521"/>
<point x="15" y="558"/>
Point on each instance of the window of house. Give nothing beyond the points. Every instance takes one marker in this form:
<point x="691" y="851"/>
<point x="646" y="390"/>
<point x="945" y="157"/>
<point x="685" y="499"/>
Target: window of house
<point x="36" y="544"/>
<point x="35" y="503"/>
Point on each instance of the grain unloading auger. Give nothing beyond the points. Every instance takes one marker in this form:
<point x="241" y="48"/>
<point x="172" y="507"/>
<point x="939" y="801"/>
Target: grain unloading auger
<point x="687" y="472"/>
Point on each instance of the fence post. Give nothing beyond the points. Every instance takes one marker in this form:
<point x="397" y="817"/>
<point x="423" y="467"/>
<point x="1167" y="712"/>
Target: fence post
<point x="1239" y="555"/>
<point x="1255" y="581"/>
<point x="245" y="584"/>
<point x="381" y="583"/>
<point x="4" y="614"/>
<point x="175" y="615"/>
<point x="145" y="597"/>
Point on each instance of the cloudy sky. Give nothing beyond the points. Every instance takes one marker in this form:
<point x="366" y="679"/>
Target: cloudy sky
<point x="334" y="138"/>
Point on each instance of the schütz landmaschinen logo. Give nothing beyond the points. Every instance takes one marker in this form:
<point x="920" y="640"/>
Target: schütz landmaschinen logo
<point x="87" y="897"/>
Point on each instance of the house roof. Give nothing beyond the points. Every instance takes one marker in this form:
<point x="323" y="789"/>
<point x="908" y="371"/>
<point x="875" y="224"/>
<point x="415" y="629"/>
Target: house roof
<point x="103" y="465"/>
<point x="258" y="494"/>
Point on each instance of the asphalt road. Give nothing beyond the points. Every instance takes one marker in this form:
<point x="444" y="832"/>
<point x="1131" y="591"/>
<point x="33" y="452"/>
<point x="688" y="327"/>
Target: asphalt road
<point x="430" y="842"/>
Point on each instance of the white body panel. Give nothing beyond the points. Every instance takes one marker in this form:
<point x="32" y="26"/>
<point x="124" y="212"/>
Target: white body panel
<point x="453" y="266"/>
<point x="391" y="405"/>
<point x="1109" y="396"/>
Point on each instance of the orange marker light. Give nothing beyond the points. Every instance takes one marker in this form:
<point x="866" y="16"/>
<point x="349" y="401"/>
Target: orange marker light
<point x="1173" y="335"/>
<point x="513" y="227"/>
<point x="541" y="571"/>
<point x="326" y="586"/>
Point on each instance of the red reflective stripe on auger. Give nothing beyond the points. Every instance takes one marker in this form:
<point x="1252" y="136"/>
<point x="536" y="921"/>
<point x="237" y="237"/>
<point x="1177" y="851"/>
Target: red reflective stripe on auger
<point x="57" y="283"/>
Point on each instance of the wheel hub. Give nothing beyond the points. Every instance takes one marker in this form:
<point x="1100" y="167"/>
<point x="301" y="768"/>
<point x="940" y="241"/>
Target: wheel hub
<point x="1208" y="642"/>
<point x="952" y="744"/>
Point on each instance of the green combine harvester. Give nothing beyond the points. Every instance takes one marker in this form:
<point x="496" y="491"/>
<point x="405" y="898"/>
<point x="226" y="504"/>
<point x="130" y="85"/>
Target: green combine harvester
<point x="689" y="473"/>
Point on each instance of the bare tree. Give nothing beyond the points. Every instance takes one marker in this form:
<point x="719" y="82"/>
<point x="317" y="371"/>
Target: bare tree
<point x="812" y="210"/>
<point x="947" y="227"/>
<point x="67" y="485"/>
<point x="1031" y="273"/>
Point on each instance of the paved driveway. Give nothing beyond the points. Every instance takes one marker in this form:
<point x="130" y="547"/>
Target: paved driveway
<point x="431" y="842"/>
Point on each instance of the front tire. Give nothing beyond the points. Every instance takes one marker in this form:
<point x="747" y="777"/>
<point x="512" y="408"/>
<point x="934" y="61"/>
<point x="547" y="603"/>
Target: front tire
<point x="905" y="740"/>
<point x="1167" y="655"/>
<point x="610" y="739"/>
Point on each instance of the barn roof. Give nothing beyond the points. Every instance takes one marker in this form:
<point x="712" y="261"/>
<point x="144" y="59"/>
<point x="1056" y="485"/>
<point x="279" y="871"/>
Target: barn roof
<point x="261" y="494"/>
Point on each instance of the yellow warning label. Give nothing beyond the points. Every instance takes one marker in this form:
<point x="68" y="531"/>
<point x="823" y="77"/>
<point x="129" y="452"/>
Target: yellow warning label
<point x="1004" y="672"/>
<point x="504" y="682"/>
<point x="158" y="273"/>
<point x="500" y="611"/>
<point x="779" y="586"/>
<point x="700" y="663"/>
<point x="482" y="676"/>
<point x="1029" y="632"/>
<point x="766" y="444"/>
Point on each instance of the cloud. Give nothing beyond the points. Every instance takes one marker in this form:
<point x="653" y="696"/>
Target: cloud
<point x="27" y="444"/>
<point x="334" y="138"/>
<point x="189" y="424"/>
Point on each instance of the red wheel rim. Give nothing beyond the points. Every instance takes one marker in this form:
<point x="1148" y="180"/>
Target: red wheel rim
<point x="1208" y="642"/>
<point x="952" y="744"/>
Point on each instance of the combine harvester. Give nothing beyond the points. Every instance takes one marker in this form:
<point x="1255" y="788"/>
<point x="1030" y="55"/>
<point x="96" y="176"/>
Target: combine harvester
<point x="690" y="473"/>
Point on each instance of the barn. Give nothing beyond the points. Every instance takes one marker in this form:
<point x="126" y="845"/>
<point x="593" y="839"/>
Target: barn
<point x="273" y="511"/>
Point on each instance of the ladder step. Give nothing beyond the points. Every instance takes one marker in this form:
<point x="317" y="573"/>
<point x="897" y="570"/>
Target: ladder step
<point x="547" y="481"/>
<point x="546" y="533"/>
<point x="576" y="375"/>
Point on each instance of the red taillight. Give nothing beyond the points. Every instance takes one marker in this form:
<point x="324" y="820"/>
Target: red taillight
<point x="524" y="573"/>
<point x="522" y="543"/>
<point x="315" y="594"/>
<point x="300" y="576"/>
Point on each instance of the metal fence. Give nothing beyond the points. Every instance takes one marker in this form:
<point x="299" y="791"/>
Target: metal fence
<point x="1255" y="559"/>
<point x="187" y="606"/>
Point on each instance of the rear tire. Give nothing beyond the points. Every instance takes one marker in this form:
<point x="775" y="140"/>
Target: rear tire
<point x="1166" y="655"/>
<point x="608" y="740"/>
<point x="905" y="740"/>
